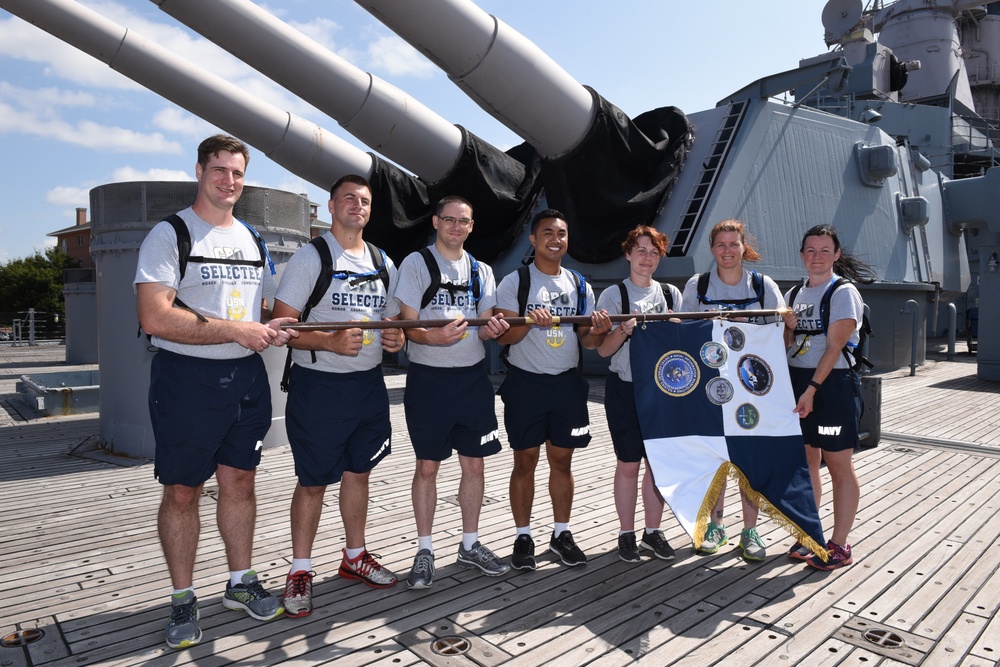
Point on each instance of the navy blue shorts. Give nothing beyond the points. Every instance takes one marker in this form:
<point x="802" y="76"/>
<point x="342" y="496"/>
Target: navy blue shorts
<point x="623" y="421"/>
<point x="450" y="409"/>
<point x="336" y="422"/>
<point x="833" y="424"/>
<point x="539" y="407"/>
<point x="207" y="412"/>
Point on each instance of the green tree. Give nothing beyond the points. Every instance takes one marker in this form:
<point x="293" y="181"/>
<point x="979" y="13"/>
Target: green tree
<point x="35" y="282"/>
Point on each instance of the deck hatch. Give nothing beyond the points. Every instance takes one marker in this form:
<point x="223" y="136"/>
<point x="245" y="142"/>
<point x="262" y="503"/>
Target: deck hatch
<point x="452" y="645"/>
<point x="22" y="638"/>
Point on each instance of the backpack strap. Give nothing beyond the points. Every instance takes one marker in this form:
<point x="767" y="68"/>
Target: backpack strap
<point x="623" y="290"/>
<point x="183" y="255"/>
<point x="322" y="284"/>
<point x="265" y="256"/>
<point x="703" y="287"/>
<point x="435" y="272"/>
<point x="380" y="267"/>
<point x="757" y="284"/>
<point x="668" y="296"/>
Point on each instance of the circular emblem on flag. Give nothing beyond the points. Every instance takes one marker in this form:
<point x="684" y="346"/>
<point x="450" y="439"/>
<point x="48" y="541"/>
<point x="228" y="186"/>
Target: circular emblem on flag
<point x="734" y="338"/>
<point x="755" y="374"/>
<point x="677" y="373"/>
<point x="747" y="416"/>
<point x="713" y="354"/>
<point x="719" y="390"/>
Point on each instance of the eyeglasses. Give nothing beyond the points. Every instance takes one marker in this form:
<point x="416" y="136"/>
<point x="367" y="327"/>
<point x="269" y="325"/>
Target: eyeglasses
<point x="451" y="222"/>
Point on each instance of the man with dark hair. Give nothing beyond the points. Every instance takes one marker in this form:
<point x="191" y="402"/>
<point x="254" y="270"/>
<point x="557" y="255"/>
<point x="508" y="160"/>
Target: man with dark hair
<point x="544" y="393"/>
<point x="337" y="413"/>
<point x="446" y="368"/>
<point x="209" y="399"/>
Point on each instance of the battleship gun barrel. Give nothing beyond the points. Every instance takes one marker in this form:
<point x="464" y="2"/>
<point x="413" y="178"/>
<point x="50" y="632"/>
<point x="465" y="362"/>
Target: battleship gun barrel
<point x="300" y="146"/>
<point x="377" y="113"/>
<point x="500" y="69"/>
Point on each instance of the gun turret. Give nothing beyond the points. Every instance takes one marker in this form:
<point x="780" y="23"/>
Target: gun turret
<point x="570" y="126"/>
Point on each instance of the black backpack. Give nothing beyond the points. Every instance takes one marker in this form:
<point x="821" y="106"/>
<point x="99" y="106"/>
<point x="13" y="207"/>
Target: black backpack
<point x="855" y="358"/>
<point x="184" y="256"/>
<point x="474" y="288"/>
<point x="326" y="275"/>
<point x="756" y="282"/>
<point x="626" y="303"/>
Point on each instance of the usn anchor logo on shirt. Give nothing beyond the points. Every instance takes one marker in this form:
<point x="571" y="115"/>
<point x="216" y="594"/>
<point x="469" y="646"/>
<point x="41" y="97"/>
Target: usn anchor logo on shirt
<point x="236" y="305"/>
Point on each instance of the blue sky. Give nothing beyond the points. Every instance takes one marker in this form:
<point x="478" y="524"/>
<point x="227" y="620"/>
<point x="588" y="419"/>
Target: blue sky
<point x="69" y="123"/>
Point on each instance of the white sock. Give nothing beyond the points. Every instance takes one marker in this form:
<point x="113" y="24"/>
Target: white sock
<point x="425" y="542"/>
<point x="469" y="540"/>
<point x="651" y="530"/>
<point x="352" y="554"/>
<point x="625" y="532"/>
<point x="524" y="530"/>
<point x="560" y="528"/>
<point x="180" y="592"/>
<point x="301" y="565"/>
<point x="237" y="576"/>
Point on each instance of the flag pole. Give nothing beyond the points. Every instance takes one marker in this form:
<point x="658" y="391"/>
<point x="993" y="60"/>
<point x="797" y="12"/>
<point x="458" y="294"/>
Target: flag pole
<point x="527" y="321"/>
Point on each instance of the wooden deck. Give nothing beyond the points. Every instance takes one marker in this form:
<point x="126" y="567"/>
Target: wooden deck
<point x="80" y="559"/>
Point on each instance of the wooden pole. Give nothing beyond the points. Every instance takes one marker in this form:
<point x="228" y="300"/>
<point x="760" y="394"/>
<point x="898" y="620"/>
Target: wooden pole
<point x="527" y="321"/>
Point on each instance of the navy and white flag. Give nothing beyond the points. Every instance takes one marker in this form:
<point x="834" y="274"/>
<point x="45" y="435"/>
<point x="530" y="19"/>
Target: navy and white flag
<point x="714" y="400"/>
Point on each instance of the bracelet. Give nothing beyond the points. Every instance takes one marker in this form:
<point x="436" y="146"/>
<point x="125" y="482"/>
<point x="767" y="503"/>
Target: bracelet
<point x="815" y="385"/>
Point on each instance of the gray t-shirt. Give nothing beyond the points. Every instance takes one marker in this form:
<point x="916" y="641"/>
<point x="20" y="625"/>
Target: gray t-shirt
<point x="414" y="281"/>
<point x="642" y="300"/>
<point x="720" y="291"/>
<point x="216" y="290"/>
<point x="845" y="304"/>
<point x="556" y="349"/>
<point x="340" y="303"/>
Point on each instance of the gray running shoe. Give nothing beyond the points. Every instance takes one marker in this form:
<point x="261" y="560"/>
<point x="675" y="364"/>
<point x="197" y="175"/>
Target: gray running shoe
<point x="565" y="547"/>
<point x="715" y="537"/>
<point x="479" y="556"/>
<point x="752" y="545"/>
<point x="422" y="573"/>
<point x="250" y="596"/>
<point x="627" y="549"/>
<point x="183" y="630"/>
<point x="658" y="543"/>
<point x="523" y="557"/>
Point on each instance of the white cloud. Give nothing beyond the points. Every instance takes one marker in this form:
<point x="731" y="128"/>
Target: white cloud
<point x="132" y="174"/>
<point x="68" y="196"/>
<point x="391" y="54"/>
<point x="319" y="29"/>
<point x="86" y="133"/>
<point x="176" y="120"/>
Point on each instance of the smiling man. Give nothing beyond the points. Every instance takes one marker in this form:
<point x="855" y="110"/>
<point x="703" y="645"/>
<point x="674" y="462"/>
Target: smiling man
<point x="209" y="399"/>
<point x="544" y="394"/>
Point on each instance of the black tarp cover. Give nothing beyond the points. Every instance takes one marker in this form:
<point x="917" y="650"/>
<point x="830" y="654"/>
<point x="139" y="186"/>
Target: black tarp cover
<point x="616" y="178"/>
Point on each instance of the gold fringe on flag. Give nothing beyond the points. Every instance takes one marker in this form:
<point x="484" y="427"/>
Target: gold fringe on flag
<point x="727" y="469"/>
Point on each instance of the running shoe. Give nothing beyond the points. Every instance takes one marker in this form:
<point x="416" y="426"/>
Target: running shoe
<point x="298" y="594"/>
<point x="839" y="556"/>
<point x="250" y="596"/>
<point x="183" y="630"/>
<point x="422" y="573"/>
<point x="523" y="557"/>
<point x="658" y="543"/>
<point x="564" y="547"/>
<point x="715" y="537"/>
<point x="799" y="552"/>
<point x="479" y="556"/>
<point x="752" y="545"/>
<point x="627" y="549"/>
<point x="365" y="568"/>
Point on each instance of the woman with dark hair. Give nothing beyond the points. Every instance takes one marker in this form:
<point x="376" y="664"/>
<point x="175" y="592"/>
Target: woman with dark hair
<point x="821" y="369"/>
<point x="730" y="286"/>
<point x="640" y="294"/>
